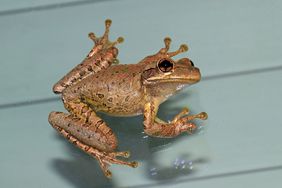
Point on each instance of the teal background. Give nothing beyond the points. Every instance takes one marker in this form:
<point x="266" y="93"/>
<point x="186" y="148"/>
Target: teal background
<point x="236" y="44"/>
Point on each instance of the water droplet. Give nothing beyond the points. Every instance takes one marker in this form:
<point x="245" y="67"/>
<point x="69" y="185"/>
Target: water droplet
<point x="153" y="171"/>
<point x="182" y="164"/>
<point x="146" y="136"/>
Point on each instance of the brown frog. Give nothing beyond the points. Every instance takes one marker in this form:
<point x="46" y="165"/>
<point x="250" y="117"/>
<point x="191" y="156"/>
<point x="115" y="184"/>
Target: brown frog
<point x="121" y="90"/>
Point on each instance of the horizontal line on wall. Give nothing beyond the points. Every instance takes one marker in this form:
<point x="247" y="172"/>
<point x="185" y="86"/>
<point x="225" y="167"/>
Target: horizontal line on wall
<point x="241" y="73"/>
<point x="47" y="7"/>
<point x="29" y="102"/>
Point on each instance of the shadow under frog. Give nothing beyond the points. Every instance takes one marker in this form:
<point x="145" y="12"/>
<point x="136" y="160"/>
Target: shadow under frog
<point x="83" y="171"/>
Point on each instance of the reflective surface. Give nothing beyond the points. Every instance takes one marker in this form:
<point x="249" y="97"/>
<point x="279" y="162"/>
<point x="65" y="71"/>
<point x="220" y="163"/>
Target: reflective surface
<point x="237" y="46"/>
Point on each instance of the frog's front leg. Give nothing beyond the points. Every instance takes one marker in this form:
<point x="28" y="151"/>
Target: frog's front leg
<point x="92" y="135"/>
<point x="153" y="126"/>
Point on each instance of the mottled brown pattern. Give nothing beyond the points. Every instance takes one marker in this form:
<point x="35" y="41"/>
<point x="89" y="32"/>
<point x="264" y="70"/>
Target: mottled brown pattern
<point x="98" y="123"/>
<point x="127" y="98"/>
<point x="121" y="90"/>
<point x="100" y="95"/>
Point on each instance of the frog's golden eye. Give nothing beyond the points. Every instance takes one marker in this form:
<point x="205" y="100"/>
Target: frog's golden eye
<point x="165" y="65"/>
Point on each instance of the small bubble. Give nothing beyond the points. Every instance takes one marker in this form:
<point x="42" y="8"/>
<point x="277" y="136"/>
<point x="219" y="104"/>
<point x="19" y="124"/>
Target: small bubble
<point x="176" y="163"/>
<point x="182" y="164"/>
<point x="190" y="165"/>
<point x="153" y="171"/>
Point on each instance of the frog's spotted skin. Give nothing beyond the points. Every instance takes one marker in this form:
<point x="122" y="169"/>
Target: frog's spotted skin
<point x="121" y="90"/>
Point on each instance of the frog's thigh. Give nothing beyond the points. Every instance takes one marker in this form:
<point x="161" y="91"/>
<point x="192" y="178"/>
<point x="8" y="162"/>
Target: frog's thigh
<point x="97" y="135"/>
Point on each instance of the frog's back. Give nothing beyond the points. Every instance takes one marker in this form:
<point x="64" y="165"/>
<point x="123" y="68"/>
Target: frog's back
<point x="116" y="90"/>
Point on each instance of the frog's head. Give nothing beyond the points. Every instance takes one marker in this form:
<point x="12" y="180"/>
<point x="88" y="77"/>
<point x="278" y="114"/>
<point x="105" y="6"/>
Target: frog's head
<point x="161" y="68"/>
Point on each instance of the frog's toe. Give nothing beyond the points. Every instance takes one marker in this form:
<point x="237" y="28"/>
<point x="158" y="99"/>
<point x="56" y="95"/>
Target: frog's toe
<point x="106" y="159"/>
<point x="203" y="116"/>
<point x="113" y="160"/>
<point x="185" y="111"/>
<point x="104" y="40"/>
<point x="125" y="154"/>
<point x="191" y="127"/>
<point x="167" y="41"/>
<point x="108" y="174"/>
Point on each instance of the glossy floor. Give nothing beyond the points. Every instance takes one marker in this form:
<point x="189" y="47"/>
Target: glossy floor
<point x="236" y="44"/>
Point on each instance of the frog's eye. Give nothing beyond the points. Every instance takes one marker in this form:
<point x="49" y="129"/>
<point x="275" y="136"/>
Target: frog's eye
<point x="165" y="65"/>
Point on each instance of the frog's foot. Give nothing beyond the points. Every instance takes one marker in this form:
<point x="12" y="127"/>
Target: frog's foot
<point x="164" y="51"/>
<point x="103" y="42"/>
<point x="185" y="122"/>
<point x="175" y="127"/>
<point x="105" y="159"/>
<point x="184" y="111"/>
<point x="181" y="123"/>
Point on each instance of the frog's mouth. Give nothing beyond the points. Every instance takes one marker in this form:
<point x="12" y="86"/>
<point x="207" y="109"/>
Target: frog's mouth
<point x="173" y="80"/>
<point x="181" y="77"/>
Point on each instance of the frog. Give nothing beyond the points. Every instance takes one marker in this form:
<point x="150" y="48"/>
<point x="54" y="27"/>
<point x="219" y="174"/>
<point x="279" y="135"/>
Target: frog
<point x="100" y="84"/>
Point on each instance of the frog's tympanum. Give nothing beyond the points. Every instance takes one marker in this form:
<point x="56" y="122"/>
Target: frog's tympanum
<point x="99" y="84"/>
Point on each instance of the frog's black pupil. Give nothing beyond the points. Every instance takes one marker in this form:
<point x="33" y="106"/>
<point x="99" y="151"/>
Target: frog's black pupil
<point x="165" y="66"/>
<point x="192" y="63"/>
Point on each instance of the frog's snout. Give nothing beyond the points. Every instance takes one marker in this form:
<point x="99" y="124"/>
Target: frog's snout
<point x="195" y="74"/>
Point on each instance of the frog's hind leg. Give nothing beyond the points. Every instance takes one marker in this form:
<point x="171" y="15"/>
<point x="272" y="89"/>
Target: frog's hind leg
<point x="102" y="55"/>
<point x="95" y="139"/>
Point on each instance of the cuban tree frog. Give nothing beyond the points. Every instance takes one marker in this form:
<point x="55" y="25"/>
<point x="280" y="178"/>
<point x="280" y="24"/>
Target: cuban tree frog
<point x="100" y="84"/>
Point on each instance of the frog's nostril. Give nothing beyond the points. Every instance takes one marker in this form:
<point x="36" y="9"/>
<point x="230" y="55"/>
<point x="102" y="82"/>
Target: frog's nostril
<point x="192" y="63"/>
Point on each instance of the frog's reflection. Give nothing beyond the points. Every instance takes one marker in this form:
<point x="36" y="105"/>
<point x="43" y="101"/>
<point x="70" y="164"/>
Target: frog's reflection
<point x="84" y="171"/>
<point x="181" y="166"/>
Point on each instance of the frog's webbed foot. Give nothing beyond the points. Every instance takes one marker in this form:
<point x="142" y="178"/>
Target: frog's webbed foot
<point x="103" y="42"/>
